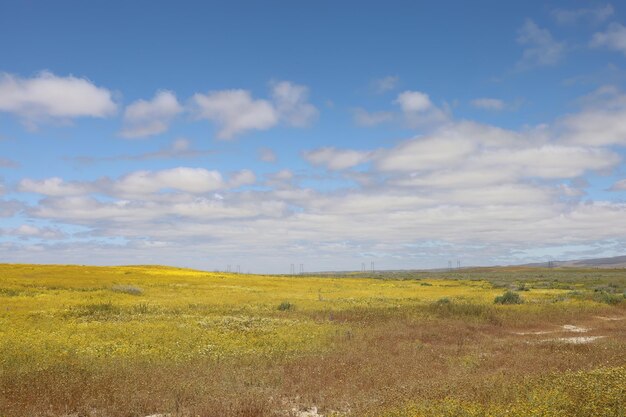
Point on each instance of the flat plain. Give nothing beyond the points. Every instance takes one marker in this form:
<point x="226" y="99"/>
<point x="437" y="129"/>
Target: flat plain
<point x="145" y="340"/>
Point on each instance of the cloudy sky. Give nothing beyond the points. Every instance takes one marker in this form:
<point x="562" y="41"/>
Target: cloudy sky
<point x="328" y="134"/>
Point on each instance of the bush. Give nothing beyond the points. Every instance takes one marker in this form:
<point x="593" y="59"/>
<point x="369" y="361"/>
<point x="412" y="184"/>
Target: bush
<point x="608" y="298"/>
<point x="127" y="289"/>
<point x="285" y="305"/>
<point x="443" y="301"/>
<point x="508" y="297"/>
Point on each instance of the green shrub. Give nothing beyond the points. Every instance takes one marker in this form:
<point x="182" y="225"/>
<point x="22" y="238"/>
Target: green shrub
<point x="508" y="297"/>
<point x="443" y="301"/>
<point x="127" y="289"/>
<point x="608" y="298"/>
<point x="285" y="305"/>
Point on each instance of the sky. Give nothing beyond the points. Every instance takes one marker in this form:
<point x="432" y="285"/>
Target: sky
<point x="257" y="135"/>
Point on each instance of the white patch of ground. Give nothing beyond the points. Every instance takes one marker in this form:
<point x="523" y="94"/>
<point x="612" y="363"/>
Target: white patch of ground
<point x="539" y="332"/>
<point x="580" y="340"/>
<point x="610" y="318"/>
<point x="574" y="329"/>
<point x="311" y="412"/>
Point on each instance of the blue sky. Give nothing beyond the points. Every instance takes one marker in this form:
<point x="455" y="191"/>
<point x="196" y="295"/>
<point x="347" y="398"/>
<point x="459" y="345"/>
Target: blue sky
<point x="262" y="134"/>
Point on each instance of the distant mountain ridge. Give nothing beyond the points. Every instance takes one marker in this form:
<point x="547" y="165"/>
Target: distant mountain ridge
<point x="613" y="262"/>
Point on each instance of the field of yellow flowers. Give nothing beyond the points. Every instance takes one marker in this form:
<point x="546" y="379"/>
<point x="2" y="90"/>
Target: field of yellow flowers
<point x="141" y="340"/>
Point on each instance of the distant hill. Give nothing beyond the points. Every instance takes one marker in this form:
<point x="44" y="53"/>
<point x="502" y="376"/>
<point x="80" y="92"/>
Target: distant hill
<point x="614" y="262"/>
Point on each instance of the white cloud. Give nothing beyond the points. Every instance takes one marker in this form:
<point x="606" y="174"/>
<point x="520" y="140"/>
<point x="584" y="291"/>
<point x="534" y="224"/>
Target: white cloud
<point x="414" y="101"/>
<point x="488" y="103"/>
<point x="540" y="48"/>
<point x="613" y="38"/>
<point x="234" y="112"/>
<point x="550" y="161"/>
<point x="192" y="180"/>
<point x="461" y="185"/>
<point x="282" y="175"/>
<point x="418" y="110"/>
<point x="595" y="15"/>
<point x="291" y="104"/>
<point x="54" y="186"/>
<point x="382" y="85"/>
<point x="47" y="96"/>
<point x="336" y="159"/>
<point x="30" y="231"/>
<point x="442" y="149"/>
<point x="146" y="118"/>
<point x="243" y="177"/>
<point x="602" y="121"/>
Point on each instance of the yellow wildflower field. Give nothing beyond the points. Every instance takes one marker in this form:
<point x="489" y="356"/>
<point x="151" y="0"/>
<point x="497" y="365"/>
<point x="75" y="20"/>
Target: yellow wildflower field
<point x="209" y="343"/>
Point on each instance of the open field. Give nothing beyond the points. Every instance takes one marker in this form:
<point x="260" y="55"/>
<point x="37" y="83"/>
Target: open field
<point x="136" y="341"/>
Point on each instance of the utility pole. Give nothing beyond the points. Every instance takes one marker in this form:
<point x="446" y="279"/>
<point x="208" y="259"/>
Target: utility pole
<point x="301" y="269"/>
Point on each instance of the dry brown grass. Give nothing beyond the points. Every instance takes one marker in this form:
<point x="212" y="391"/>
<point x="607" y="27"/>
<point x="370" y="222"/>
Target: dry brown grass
<point x="380" y="361"/>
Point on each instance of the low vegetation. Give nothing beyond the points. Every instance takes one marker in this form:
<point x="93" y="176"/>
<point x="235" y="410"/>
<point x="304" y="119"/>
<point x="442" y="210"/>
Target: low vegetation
<point x="136" y="341"/>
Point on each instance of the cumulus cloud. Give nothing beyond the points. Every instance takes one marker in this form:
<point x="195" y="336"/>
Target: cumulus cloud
<point x="442" y="149"/>
<point x="540" y="48"/>
<point x="487" y="191"/>
<point x="147" y="118"/>
<point x="418" y="109"/>
<point x="601" y="122"/>
<point x="414" y="101"/>
<point x="236" y="112"/>
<point x="30" y="231"/>
<point x="336" y="159"/>
<point x="488" y="103"/>
<point x="613" y="38"/>
<point x="137" y="183"/>
<point x="243" y="177"/>
<point x="192" y="180"/>
<point x="47" y="96"/>
<point x="593" y="15"/>
<point x="291" y="103"/>
<point x="54" y="186"/>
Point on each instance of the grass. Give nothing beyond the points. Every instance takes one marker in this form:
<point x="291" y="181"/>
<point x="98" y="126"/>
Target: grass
<point x="135" y="341"/>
